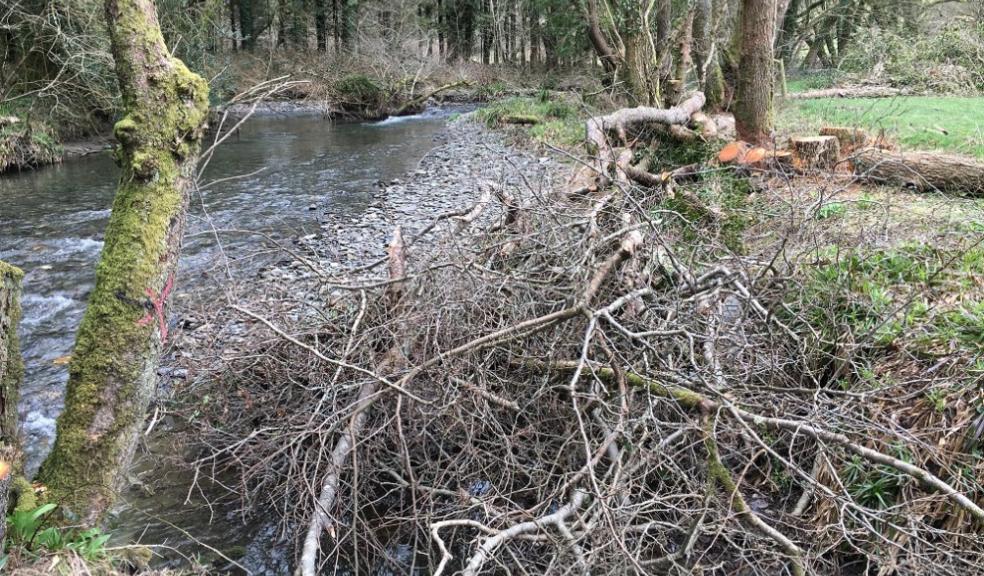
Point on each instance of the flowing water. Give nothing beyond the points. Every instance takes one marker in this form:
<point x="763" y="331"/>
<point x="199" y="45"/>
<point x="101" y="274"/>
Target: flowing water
<point x="274" y="176"/>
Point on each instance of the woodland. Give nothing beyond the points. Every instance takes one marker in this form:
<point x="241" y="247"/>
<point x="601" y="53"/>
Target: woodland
<point x="671" y="287"/>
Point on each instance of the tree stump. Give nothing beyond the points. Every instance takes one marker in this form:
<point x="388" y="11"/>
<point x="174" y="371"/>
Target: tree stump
<point x="815" y="152"/>
<point x="850" y="138"/>
<point x="922" y="171"/>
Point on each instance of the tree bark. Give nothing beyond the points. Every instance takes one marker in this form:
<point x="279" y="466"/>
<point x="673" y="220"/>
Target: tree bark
<point x="922" y="171"/>
<point x="856" y="92"/>
<point x="609" y="60"/>
<point x="246" y="24"/>
<point x="753" y="109"/>
<point x="11" y="366"/>
<point x="815" y="152"/>
<point x="321" y="24"/>
<point x="113" y="373"/>
<point x="11" y="375"/>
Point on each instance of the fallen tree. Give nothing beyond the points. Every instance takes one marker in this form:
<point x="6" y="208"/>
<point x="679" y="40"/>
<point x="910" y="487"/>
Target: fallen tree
<point x="624" y="123"/>
<point x="922" y="171"/>
<point x="848" y="92"/>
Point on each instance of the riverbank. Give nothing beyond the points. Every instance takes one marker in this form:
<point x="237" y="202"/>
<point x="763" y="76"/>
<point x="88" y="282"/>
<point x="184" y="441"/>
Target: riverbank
<point x="311" y="270"/>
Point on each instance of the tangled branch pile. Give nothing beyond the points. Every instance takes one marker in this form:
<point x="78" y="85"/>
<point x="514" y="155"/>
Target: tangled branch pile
<point x="560" y="383"/>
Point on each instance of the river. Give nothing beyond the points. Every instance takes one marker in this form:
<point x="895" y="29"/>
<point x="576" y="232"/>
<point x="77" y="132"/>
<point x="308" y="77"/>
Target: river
<point x="275" y="176"/>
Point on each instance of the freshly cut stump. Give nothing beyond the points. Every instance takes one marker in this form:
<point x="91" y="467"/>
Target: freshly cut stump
<point x="815" y="152"/>
<point x="732" y="152"/>
<point x="923" y="171"/>
<point x="850" y="138"/>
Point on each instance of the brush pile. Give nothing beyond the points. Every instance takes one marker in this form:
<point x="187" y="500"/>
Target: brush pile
<point x="564" y="382"/>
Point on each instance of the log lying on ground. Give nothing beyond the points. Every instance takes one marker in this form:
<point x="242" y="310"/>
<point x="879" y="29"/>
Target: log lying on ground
<point x="924" y="171"/>
<point x="626" y="120"/>
<point x="815" y="152"/>
<point x="857" y="92"/>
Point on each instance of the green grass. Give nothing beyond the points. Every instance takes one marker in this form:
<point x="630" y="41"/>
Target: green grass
<point x="818" y="81"/>
<point x="556" y="122"/>
<point x="913" y="295"/>
<point x="951" y="124"/>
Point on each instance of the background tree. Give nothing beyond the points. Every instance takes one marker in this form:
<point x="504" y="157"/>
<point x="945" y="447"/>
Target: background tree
<point x="113" y="373"/>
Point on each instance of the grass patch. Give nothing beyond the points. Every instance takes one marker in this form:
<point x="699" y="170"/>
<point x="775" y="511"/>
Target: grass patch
<point x="928" y="300"/>
<point x="716" y="211"/>
<point x="27" y="143"/>
<point x="920" y="122"/>
<point x="549" y="121"/>
<point x="819" y="81"/>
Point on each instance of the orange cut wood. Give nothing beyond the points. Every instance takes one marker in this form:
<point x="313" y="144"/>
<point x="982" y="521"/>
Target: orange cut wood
<point x="754" y="156"/>
<point x="731" y="152"/>
<point x="4" y="470"/>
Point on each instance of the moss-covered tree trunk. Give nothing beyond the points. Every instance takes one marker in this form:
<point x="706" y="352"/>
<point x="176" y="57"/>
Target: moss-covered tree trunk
<point x="113" y="373"/>
<point x="753" y="108"/>
<point x="11" y="374"/>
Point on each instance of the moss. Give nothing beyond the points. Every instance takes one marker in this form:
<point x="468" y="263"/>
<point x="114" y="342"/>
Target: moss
<point x="12" y="372"/>
<point x="113" y="373"/>
<point x="362" y="95"/>
<point x="27" y="144"/>
<point x="26" y="499"/>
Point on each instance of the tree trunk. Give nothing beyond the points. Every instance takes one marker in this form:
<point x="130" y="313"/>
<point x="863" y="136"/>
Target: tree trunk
<point x="922" y="171"/>
<point x="609" y="60"/>
<point x="753" y="109"/>
<point x="11" y="367"/>
<point x="703" y="39"/>
<point x="321" y="24"/>
<point x="246" y="28"/>
<point x="233" y="29"/>
<point x="113" y="373"/>
<point x="681" y="62"/>
<point x="11" y="375"/>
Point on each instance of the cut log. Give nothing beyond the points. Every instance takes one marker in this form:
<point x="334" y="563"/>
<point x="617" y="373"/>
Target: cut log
<point x="856" y="92"/>
<point x="850" y="138"/>
<point x="754" y="156"/>
<point x="923" y="171"/>
<point x="732" y="152"/>
<point x="779" y="158"/>
<point x="815" y="152"/>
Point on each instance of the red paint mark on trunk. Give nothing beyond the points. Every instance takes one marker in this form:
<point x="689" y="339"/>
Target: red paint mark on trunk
<point x="157" y="302"/>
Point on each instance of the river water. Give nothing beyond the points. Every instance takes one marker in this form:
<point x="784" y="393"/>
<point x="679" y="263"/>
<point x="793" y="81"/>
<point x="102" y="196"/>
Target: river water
<point x="275" y="176"/>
